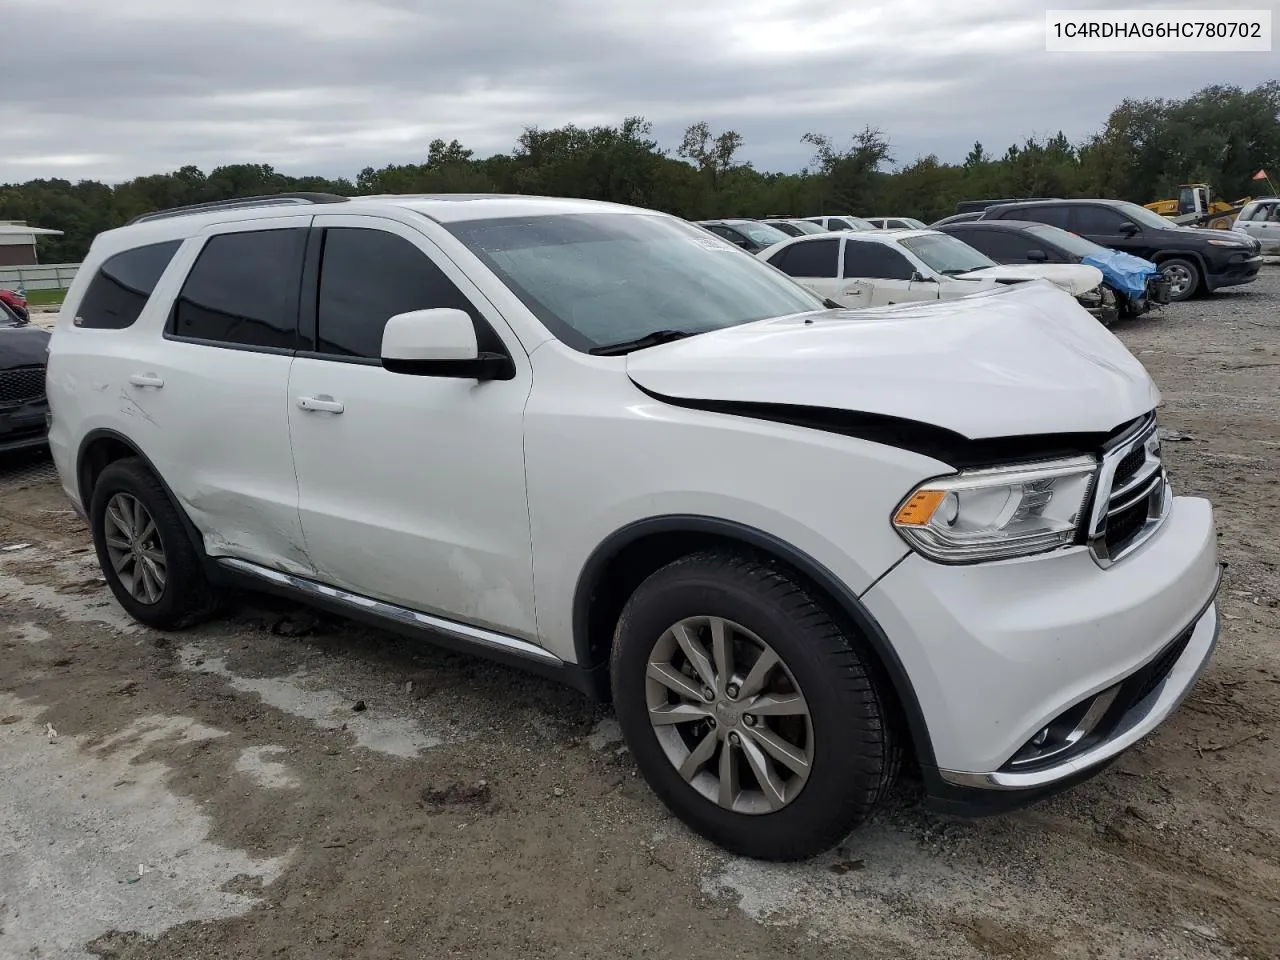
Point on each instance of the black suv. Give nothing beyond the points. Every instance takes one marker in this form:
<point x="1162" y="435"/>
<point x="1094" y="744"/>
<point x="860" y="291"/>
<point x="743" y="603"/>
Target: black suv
<point x="1191" y="259"/>
<point x="24" y="352"/>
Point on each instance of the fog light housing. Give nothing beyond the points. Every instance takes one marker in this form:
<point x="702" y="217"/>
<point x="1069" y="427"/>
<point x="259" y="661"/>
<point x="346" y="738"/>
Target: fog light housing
<point x="1065" y="731"/>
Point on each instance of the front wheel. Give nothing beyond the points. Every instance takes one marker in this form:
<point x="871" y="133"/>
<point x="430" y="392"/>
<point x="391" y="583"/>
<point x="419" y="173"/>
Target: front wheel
<point x="750" y="711"/>
<point x="1183" y="277"/>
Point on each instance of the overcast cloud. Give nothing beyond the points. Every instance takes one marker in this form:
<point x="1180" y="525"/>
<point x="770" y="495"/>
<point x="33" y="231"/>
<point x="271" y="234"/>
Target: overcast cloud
<point x="111" y="90"/>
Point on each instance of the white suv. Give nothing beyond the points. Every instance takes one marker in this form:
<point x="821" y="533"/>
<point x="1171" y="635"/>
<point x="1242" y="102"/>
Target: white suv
<point x="794" y="545"/>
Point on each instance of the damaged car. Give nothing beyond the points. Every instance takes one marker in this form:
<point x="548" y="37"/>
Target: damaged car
<point x="879" y="268"/>
<point x="1132" y="285"/>
<point x="803" y="550"/>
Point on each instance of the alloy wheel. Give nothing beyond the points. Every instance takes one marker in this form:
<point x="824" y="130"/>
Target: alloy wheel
<point x="729" y="715"/>
<point x="1179" y="278"/>
<point x="134" y="548"/>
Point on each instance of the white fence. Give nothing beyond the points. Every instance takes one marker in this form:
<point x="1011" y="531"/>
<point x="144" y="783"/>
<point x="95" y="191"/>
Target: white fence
<point x="48" y="276"/>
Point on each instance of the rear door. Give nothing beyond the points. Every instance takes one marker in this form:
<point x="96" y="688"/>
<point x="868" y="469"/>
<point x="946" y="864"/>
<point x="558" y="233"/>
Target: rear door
<point x="211" y="396"/>
<point x="815" y="264"/>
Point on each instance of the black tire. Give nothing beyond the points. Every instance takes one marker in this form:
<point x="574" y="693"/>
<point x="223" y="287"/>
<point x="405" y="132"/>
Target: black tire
<point x="186" y="597"/>
<point x="855" y="753"/>
<point x="1176" y="270"/>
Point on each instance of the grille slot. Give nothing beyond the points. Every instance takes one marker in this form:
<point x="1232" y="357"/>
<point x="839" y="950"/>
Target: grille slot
<point x="1132" y="495"/>
<point x="1130" y="465"/>
<point x="21" y="385"/>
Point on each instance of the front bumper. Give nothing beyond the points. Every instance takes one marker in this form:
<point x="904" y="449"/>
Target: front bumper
<point x="23" y="427"/>
<point x="1241" y="268"/>
<point x="996" y="652"/>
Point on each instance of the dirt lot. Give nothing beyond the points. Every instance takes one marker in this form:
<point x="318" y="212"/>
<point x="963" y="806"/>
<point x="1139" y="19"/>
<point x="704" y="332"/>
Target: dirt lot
<point x="276" y="785"/>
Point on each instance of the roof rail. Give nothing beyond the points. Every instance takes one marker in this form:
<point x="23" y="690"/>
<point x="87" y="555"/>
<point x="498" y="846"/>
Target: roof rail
<point x="268" y="200"/>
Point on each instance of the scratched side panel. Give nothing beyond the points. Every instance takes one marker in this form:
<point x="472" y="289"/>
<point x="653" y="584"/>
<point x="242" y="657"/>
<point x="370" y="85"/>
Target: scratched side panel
<point x="217" y="429"/>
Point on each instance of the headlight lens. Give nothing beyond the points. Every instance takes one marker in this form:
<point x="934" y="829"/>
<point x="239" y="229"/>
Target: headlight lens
<point x="994" y="514"/>
<point x="1227" y="243"/>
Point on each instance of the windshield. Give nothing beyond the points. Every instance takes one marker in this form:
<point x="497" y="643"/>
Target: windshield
<point x="1148" y="218"/>
<point x="946" y="254"/>
<point x="8" y="318"/>
<point x="807" y="226"/>
<point x="598" y="279"/>
<point x="761" y="233"/>
<point x="857" y="223"/>
<point x="1073" y="243"/>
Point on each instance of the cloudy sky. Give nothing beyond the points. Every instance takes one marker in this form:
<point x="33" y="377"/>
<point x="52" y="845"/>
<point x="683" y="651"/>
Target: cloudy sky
<point x="110" y="90"/>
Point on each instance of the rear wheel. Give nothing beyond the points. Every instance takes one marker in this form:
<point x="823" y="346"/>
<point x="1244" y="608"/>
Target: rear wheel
<point x="750" y="711"/>
<point x="146" y="556"/>
<point x="1183" y="277"/>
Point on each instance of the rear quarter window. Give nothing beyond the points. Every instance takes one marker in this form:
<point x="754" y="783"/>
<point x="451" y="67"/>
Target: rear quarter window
<point x="122" y="286"/>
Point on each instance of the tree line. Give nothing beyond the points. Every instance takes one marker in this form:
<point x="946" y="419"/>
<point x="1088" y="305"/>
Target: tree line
<point x="1220" y="135"/>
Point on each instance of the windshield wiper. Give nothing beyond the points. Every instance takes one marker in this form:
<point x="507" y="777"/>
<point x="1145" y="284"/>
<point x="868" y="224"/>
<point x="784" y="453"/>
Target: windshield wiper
<point x="648" y="340"/>
<point x="831" y="304"/>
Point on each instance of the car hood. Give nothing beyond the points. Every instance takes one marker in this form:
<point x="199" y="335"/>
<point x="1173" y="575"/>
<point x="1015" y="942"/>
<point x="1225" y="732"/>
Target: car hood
<point x="1075" y="278"/>
<point x="24" y="346"/>
<point x="1204" y="233"/>
<point x="1012" y="361"/>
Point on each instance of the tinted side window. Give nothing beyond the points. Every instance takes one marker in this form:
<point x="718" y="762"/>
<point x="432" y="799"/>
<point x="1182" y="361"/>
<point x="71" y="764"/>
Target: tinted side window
<point x="1097" y="220"/>
<point x="243" y="290"/>
<point x="810" y="258"/>
<point x="1054" y="216"/>
<point x="835" y="223"/>
<point x="366" y="278"/>
<point x="122" y="286"/>
<point x="875" y="261"/>
<point x="1000" y="246"/>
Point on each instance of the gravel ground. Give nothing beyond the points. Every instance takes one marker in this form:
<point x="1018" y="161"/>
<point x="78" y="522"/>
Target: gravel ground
<point x="280" y="785"/>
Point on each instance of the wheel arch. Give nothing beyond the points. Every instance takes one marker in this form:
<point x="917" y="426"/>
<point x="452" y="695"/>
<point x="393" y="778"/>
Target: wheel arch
<point x="1193" y="256"/>
<point x="102" y="447"/>
<point x="627" y="556"/>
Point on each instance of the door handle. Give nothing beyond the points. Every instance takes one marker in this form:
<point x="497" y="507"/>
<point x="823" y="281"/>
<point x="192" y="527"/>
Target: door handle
<point x="146" y="380"/>
<point x="323" y="403"/>
<point x="853" y="292"/>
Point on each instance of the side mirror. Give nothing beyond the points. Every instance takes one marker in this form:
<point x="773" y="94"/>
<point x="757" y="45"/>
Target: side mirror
<point x="918" y="277"/>
<point x="1128" y="229"/>
<point x="1037" y="256"/>
<point x="440" y="343"/>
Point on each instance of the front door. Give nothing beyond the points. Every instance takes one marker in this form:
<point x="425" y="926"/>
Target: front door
<point x="411" y="488"/>
<point x="885" y="273"/>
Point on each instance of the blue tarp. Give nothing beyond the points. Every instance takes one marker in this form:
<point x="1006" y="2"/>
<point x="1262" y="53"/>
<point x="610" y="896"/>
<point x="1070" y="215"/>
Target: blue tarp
<point x="1124" y="272"/>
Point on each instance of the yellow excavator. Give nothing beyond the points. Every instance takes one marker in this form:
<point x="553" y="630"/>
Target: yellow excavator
<point x="1196" y="207"/>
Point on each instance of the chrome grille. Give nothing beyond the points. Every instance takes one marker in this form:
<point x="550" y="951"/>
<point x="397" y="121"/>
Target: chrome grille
<point x="1133" y="495"/>
<point x="20" y="385"/>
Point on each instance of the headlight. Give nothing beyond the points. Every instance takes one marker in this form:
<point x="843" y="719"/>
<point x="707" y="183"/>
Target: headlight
<point x="1227" y="243"/>
<point x="998" y="513"/>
